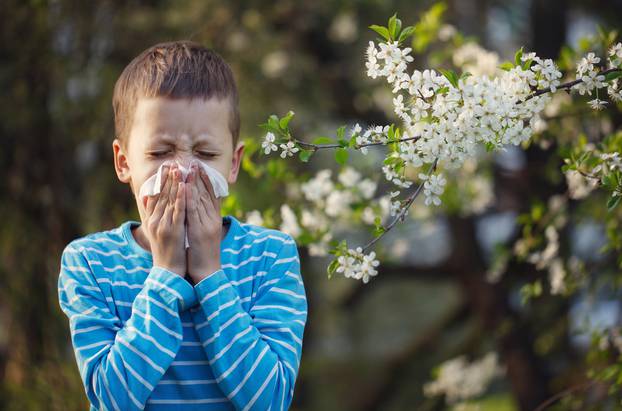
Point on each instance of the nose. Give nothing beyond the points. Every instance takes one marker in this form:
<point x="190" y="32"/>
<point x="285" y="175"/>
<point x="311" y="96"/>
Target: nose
<point x="185" y="159"/>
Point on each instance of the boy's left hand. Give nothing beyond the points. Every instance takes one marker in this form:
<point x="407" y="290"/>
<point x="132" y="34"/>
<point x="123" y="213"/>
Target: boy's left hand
<point x="204" y="225"/>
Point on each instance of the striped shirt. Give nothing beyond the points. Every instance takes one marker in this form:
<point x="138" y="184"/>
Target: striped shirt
<point x="146" y="338"/>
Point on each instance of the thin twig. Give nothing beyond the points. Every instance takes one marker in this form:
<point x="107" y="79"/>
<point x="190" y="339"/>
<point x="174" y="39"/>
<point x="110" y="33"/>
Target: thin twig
<point x="376" y="143"/>
<point x="565" y="393"/>
<point x="569" y="84"/>
<point x="400" y="216"/>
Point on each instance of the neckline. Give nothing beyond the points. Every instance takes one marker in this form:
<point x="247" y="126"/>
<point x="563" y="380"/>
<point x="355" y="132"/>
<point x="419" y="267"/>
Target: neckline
<point x="127" y="226"/>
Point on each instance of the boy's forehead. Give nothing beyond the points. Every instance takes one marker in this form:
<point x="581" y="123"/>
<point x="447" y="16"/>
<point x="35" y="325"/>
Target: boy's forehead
<point x="166" y="120"/>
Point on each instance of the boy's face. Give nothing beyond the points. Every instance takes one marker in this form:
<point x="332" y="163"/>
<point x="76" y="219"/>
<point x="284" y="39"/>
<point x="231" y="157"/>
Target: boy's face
<point x="176" y="129"/>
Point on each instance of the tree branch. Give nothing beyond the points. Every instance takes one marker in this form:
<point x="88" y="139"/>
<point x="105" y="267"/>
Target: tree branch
<point x="568" y="84"/>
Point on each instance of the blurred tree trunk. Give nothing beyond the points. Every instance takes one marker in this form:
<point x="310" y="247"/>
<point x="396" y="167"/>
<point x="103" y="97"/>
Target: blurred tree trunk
<point x="547" y="39"/>
<point x="33" y="195"/>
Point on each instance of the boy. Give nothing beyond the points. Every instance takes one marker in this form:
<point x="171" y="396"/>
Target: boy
<point x="155" y="325"/>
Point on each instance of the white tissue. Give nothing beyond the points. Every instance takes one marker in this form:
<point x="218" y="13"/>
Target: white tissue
<point x="151" y="186"/>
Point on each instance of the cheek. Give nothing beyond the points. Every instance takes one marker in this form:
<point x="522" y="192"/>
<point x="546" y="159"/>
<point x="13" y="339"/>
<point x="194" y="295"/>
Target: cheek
<point x="220" y="163"/>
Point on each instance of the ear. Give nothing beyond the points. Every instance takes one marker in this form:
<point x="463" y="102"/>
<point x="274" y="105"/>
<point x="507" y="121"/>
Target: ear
<point x="120" y="162"/>
<point x="236" y="160"/>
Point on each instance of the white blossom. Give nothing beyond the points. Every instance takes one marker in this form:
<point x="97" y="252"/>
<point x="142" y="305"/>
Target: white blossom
<point x="254" y="217"/>
<point x="367" y="188"/>
<point x="579" y="186"/>
<point x="313" y="220"/>
<point x="557" y="275"/>
<point x="614" y="90"/>
<point x="349" y="177"/>
<point x="543" y="259"/>
<point x="358" y="265"/>
<point x="317" y="188"/>
<point x="338" y="203"/>
<point x="433" y="186"/>
<point x="268" y="143"/>
<point x="615" y="55"/>
<point x="458" y="380"/>
<point x="289" y="223"/>
<point x="446" y="32"/>
<point x="597" y="104"/>
<point x="368" y="216"/>
<point x="320" y="248"/>
<point x="612" y="161"/>
<point x="288" y="149"/>
<point x="475" y="59"/>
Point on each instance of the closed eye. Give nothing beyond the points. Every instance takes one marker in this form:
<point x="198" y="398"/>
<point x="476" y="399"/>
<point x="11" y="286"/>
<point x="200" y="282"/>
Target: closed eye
<point x="158" y="153"/>
<point x="164" y="153"/>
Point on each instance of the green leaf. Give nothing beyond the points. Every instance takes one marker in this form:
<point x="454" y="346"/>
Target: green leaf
<point x="507" y="66"/>
<point x="606" y="180"/>
<point x="383" y="31"/>
<point x="517" y="56"/>
<point x="332" y="267"/>
<point x="304" y="155"/>
<point x="442" y="90"/>
<point x="407" y="32"/>
<point x="273" y="121"/>
<point x="613" y="202"/>
<point x="285" y="120"/>
<point x="322" y="140"/>
<point x="341" y="155"/>
<point x="352" y="141"/>
<point x="395" y="25"/>
<point x="451" y="76"/>
<point x="613" y="75"/>
<point x="341" y="131"/>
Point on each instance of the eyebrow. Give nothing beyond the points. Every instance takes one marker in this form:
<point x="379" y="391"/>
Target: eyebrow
<point x="167" y="138"/>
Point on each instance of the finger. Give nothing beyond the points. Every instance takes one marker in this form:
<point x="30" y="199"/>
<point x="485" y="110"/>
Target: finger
<point x="197" y="199"/>
<point x="167" y="218"/>
<point x="150" y="204"/>
<point x="164" y="176"/>
<point x="179" y="213"/>
<point x="204" y="209"/>
<point x="191" y="200"/>
<point x="173" y="197"/>
<point x="203" y="201"/>
<point x="202" y="190"/>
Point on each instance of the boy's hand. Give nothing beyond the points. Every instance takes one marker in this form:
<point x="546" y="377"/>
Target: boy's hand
<point x="204" y="225"/>
<point x="165" y="222"/>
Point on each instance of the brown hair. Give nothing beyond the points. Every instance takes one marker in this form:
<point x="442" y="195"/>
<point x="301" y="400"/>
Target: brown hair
<point x="176" y="69"/>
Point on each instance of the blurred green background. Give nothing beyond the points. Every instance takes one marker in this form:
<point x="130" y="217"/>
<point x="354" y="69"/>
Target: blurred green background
<point x="365" y="347"/>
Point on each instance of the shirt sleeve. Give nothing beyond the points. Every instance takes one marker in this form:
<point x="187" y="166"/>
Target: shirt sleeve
<point x="120" y="364"/>
<point x="255" y="355"/>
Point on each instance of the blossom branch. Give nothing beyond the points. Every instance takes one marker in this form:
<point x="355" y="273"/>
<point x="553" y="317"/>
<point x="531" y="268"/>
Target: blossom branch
<point x="570" y="84"/>
<point x="565" y="393"/>
<point x="402" y="213"/>
<point x="357" y="146"/>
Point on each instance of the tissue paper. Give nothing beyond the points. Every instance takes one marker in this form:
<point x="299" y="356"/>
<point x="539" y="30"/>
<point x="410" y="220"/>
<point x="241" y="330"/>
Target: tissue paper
<point x="152" y="185"/>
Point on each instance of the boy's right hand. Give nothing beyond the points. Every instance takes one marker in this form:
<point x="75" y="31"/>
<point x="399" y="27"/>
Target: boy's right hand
<point x="165" y="227"/>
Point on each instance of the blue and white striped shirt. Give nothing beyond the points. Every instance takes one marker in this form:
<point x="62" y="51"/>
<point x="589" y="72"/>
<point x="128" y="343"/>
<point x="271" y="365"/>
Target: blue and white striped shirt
<point x="146" y="338"/>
